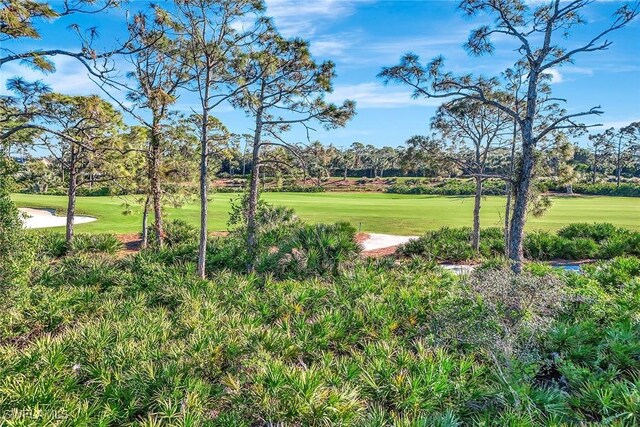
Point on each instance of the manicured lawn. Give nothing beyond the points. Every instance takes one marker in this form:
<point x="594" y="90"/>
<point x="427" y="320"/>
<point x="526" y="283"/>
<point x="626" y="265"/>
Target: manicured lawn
<point x="378" y="212"/>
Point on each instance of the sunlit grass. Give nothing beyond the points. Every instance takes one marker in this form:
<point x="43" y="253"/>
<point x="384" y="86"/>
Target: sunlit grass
<point x="376" y="212"/>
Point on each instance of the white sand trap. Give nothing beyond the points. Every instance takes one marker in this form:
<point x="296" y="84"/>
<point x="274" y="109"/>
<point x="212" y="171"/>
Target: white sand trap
<point x="381" y="241"/>
<point x="459" y="268"/>
<point x="44" y="218"/>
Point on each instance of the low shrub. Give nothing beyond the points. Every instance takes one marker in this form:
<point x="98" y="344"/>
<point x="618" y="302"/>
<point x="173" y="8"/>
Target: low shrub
<point x="53" y="244"/>
<point x="89" y="243"/>
<point x="501" y="314"/>
<point x="626" y="189"/>
<point x="176" y="232"/>
<point x="446" y="244"/>
<point x="227" y="253"/>
<point x="575" y="249"/>
<point x="311" y="250"/>
<point x="574" y="242"/>
<point x="615" y="273"/>
<point x="596" y="231"/>
<point x="16" y="250"/>
<point x="450" y="187"/>
<point x="539" y="245"/>
<point x="296" y="189"/>
<point x="97" y="340"/>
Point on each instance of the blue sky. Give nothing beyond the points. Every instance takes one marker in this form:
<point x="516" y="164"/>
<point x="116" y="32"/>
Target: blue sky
<point x="363" y="36"/>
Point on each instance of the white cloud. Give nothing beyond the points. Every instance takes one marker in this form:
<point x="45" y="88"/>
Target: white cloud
<point x="329" y="46"/>
<point x="301" y="17"/>
<point x="374" y="95"/>
<point x="556" y="77"/>
<point x="617" y="124"/>
<point x="577" y="70"/>
<point x="70" y="77"/>
<point x="419" y="44"/>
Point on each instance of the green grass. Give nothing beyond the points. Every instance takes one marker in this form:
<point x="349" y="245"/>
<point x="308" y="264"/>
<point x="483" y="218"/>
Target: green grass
<point x="378" y="212"/>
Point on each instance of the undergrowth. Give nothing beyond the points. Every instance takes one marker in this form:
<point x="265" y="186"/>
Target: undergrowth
<point x="573" y="242"/>
<point x="99" y="340"/>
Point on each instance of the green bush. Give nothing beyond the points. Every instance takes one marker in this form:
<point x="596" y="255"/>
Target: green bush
<point x="16" y="247"/>
<point x="595" y="231"/>
<point x="176" y="232"/>
<point x="227" y="253"/>
<point x="96" y="340"/>
<point x="626" y="189"/>
<point x="615" y="273"/>
<point x="450" y="187"/>
<point x="539" y="245"/>
<point x="446" y="244"/>
<point x="91" y="243"/>
<point x="576" y="249"/>
<point x="53" y="244"/>
<point x="574" y="242"/>
<point x="318" y="249"/>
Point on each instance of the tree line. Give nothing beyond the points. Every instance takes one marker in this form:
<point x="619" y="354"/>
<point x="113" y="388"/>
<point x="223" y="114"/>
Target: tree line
<point x="228" y="52"/>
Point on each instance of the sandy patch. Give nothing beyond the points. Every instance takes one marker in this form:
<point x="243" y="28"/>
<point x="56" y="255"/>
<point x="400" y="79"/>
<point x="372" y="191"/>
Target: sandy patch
<point x="44" y="218"/>
<point x="377" y="241"/>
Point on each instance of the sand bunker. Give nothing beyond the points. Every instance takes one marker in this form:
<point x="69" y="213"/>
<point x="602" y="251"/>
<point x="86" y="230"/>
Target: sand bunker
<point x="381" y="241"/>
<point x="44" y="218"/>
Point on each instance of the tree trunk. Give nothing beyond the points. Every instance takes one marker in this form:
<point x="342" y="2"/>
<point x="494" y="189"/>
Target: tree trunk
<point x="507" y="216"/>
<point x="154" y="179"/>
<point x="475" y="237"/>
<point x="204" y="213"/>
<point x="509" y="188"/>
<point x="252" y="231"/>
<point x="618" y="163"/>
<point x="71" y="193"/>
<point x="346" y="171"/>
<point x="523" y="186"/>
<point x="569" y="188"/>
<point x="145" y="215"/>
<point x="593" y="169"/>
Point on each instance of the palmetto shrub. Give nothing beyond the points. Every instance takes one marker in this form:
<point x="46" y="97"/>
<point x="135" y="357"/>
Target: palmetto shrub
<point x="227" y="253"/>
<point x="176" y="232"/>
<point x="451" y="187"/>
<point x="96" y="340"/>
<point x="88" y="243"/>
<point x="539" y="245"/>
<point x="576" y="242"/>
<point x="53" y="243"/>
<point x="626" y="189"/>
<point x="310" y="250"/>
<point x="50" y="243"/>
<point x="596" y="231"/>
<point x="446" y="244"/>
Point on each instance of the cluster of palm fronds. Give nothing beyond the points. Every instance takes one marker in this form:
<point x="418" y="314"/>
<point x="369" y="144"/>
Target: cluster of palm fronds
<point x="97" y="340"/>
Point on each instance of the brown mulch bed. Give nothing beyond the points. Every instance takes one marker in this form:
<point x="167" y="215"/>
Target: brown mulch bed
<point x="377" y="253"/>
<point x="132" y="242"/>
<point x="361" y="237"/>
